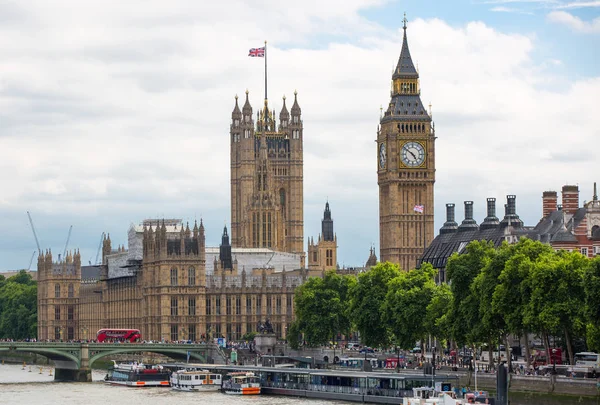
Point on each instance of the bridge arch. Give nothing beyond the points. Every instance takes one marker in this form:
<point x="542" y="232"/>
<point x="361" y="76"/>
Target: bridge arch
<point x="64" y="354"/>
<point x="176" y="354"/>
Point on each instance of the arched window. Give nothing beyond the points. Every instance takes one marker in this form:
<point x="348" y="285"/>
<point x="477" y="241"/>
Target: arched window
<point x="56" y="290"/>
<point x="192" y="276"/>
<point x="174" y="276"/>
<point x="71" y="291"/>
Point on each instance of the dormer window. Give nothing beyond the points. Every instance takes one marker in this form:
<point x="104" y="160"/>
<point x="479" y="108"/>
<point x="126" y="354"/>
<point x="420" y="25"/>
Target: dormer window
<point x="247" y="118"/>
<point x="236" y="122"/>
<point x="295" y="119"/>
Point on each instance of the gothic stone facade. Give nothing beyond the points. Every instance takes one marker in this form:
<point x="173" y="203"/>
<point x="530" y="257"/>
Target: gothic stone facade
<point x="405" y="168"/>
<point x="167" y="294"/>
<point x="267" y="197"/>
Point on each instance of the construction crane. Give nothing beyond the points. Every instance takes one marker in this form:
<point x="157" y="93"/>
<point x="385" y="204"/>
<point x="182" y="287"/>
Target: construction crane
<point x="99" y="248"/>
<point x="34" y="234"/>
<point x="67" y="244"/>
<point x="31" y="261"/>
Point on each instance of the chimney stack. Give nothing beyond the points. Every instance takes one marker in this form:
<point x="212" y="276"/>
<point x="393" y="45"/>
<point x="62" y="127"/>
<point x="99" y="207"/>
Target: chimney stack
<point x="510" y="213"/>
<point x="491" y="221"/>
<point x="570" y="199"/>
<point x="468" y="224"/>
<point x="450" y="225"/>
<point x="549" y="202"/>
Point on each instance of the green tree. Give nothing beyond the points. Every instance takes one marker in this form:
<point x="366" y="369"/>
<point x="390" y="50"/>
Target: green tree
<point x="462" y="270"/>
<point x="437" y="318"/>
<point x="322" y="307"/>
<point x="557" y="295"/>
<point x="366" y="305"/>
<point x="408" y="294"/>
<point x="512" y="294"/>
<point x="592" y="304"/>
<point x="18" y="307"/>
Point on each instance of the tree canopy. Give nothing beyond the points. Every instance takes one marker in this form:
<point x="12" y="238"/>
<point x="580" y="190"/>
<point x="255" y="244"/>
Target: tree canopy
<point x="18" y="306"/>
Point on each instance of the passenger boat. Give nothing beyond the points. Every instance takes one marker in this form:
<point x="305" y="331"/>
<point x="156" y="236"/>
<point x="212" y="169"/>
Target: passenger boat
<point x="137" y="375"/>
<point x="241" y="383"/>
<point x="427" y="396"/>
<point x="195" y="380"/>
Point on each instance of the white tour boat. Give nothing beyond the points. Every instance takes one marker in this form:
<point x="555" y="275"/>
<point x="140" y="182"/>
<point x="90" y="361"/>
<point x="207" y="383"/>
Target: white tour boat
<point x="426" y="396"/>
<point x="241" y="383"/>
<point x="195" y="380"/>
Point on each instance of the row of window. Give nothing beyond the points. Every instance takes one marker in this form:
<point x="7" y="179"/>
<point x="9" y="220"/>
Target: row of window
<point x="232" y="306"/>
<point x="70" y="313"/>
<point x="231" y="332"/>
<point x="70" y="291"/>
<point x="191" y="276"/>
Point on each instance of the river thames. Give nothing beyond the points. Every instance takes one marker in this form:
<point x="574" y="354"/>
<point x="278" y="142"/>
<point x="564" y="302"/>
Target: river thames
<point x="22" y="387"/>
<point x="25" y="387"/>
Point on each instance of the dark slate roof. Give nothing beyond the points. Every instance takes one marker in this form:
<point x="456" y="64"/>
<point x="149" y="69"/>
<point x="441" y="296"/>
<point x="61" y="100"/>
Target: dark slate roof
<point x="552" y="228"/>
<point x="442" y="247"/>
<point x="406" y="106"/>
<point x="90" y="272"/>
<point x="405" y="66"/>
<point x="563" y="235"/>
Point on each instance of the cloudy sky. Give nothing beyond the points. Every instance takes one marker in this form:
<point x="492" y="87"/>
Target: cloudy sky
<point x="114" y="111"/>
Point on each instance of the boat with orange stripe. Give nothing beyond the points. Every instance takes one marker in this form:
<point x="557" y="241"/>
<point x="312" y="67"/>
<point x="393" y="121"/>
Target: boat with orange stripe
<point x="241" y="383"/>
<point x="137" y="375"/>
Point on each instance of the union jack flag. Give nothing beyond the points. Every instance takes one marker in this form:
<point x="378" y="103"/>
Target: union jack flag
<point x="419" y="208"/>
<point x="257" y="52"/>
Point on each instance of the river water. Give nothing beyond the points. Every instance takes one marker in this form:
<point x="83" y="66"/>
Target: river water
<point x="24" y="387"/>
<point x="27" y="386"/>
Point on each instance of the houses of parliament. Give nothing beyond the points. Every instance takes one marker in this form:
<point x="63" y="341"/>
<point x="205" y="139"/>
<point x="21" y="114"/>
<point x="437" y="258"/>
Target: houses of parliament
<point x="170" y="285"/>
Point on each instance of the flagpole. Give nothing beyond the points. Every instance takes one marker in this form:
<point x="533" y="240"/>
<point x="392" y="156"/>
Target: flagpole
<point x="265" y="70"/>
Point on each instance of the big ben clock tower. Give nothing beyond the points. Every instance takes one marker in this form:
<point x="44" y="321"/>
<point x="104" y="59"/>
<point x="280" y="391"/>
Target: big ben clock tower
<point x="405" y="168"/>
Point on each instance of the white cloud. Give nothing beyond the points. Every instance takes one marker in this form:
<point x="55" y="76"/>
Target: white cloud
<point x="580" y="4"/>
<point x="502" y="9"/>
<point x="574" y="22"/>
<point x="115" y="111"/>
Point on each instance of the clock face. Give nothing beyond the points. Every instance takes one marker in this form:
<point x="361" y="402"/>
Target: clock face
<point x="382" y="155"/>
<point x="412" y="154"/>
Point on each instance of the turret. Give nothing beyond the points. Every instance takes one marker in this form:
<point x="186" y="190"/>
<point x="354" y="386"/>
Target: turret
<point x="225" y="251"/>
<point x="327" y="224"/>
<point x="284" y="116"/>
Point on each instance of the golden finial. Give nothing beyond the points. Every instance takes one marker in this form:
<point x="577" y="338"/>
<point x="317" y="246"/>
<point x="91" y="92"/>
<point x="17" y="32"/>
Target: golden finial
<point x="236" y="97"/>
<point x="380" y="111"/>
<point x="247" y="92"/>
<point x="404" y="21"/>
<point x="284" y="97"/>
<point x="430" y="114"/>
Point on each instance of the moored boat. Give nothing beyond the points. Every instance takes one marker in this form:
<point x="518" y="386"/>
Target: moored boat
<point x="427" y="396"/>
<point x="195" y="380"/>
<point x="241" y="383"/>
<point x="137" y="375"/>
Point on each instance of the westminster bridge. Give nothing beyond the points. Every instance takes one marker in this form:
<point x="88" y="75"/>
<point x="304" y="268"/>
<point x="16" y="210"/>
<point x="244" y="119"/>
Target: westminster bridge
<point x="74" y="361"/>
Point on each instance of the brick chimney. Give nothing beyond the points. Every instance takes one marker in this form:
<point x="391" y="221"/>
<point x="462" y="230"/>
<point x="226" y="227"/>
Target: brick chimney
<point x="570" y="199"/>
<point x="549" y="201"/>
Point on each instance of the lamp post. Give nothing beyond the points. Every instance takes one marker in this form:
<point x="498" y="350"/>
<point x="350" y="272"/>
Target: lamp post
<point x="553" y="361"/>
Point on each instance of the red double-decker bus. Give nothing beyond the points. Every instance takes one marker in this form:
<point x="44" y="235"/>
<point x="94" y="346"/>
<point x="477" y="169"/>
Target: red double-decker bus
<point x="119" y="335"/>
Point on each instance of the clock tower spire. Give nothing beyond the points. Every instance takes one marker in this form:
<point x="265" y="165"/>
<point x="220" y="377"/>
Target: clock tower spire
<point x="405" y="167"/>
